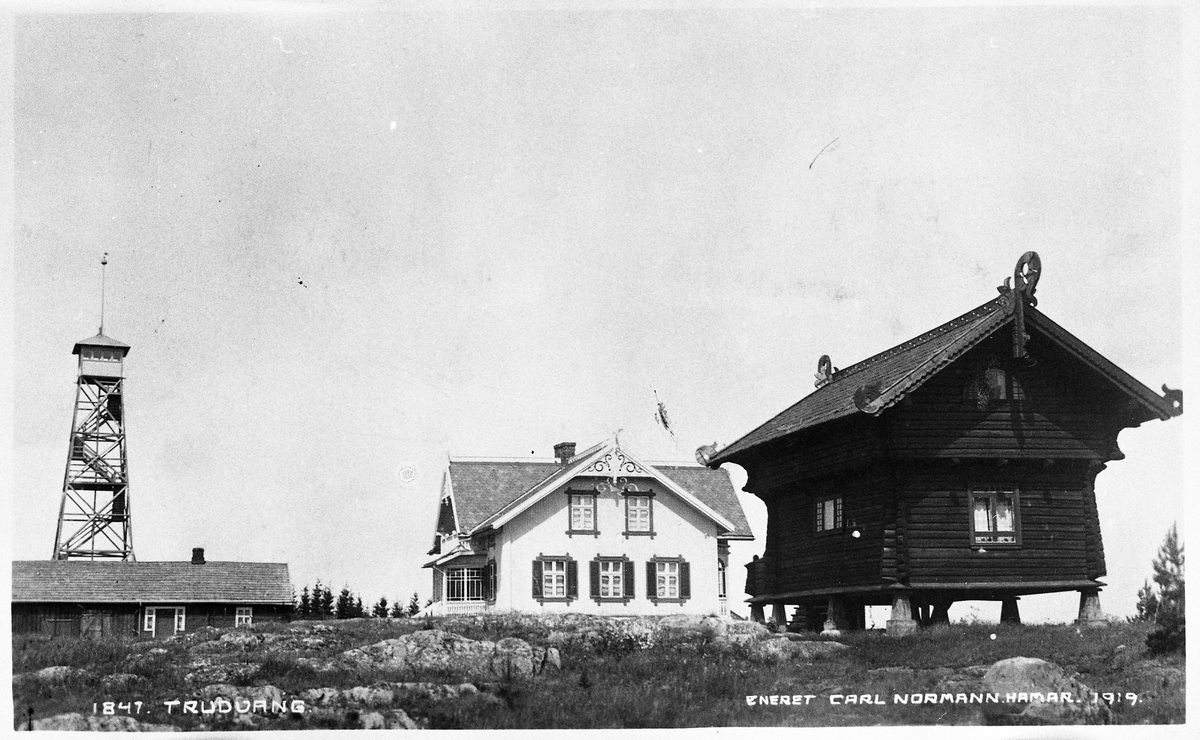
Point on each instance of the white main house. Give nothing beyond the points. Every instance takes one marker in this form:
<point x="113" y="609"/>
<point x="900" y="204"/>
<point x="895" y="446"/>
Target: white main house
<point x="599" y="532"/>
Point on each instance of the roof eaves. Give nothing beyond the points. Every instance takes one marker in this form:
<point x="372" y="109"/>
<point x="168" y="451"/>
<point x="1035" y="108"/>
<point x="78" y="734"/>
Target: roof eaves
<point x="915" y="378"/>
<point x="996" y="306"/>
<point x="1156" y="404"/>
<point x="518" y="504"/>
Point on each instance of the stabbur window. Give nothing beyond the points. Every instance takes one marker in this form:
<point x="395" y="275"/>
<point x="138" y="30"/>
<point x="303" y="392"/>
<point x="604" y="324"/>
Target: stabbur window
<point x="995" y="516"/>
<point x="829" y="513"/>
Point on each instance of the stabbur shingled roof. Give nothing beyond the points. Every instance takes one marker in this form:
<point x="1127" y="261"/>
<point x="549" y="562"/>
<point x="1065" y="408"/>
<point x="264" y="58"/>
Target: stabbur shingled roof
<point x="880" y="381"/>
<point x="83" y="582"/>
<point x="484" y="487"/>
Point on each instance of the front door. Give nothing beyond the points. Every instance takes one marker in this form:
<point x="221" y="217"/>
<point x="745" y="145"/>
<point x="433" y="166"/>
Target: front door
<point x="95" y="624"/>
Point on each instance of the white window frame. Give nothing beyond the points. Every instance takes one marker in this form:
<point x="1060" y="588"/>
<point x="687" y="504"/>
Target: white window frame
<point x="180" y="619"/>
<point x="469" y="581"/>
<point x="582" y="506"/>
<point x="612" y="579"/>
<point x="554" y="579"/>
<point x="666" y="579"/>
<point x="721" y="592"/>
<point x="637" y="515"/>
<point x="243" y="616"/>
<point x="148" y="620"/>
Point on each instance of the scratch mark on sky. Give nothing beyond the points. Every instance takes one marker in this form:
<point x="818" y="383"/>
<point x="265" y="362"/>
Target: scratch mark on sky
<point x="823" y="150"/>
<point x="285" y="51"/>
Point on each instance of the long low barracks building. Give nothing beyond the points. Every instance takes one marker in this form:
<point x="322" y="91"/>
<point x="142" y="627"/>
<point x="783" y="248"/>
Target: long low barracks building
<point x="145" y="599"/>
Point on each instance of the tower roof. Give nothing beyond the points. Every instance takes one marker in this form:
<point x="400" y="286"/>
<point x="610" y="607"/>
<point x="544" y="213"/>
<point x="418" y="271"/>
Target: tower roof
<point x="100" y="340"/>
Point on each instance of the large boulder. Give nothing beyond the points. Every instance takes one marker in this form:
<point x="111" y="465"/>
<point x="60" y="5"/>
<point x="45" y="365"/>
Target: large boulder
<point x="437" y="650"/>
<point x="1042" y="694"/>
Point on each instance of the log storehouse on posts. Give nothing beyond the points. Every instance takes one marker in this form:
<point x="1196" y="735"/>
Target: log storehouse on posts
<point x="959" y="465"/>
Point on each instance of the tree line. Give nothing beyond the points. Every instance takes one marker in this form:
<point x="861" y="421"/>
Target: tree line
<point x="320" y="603"/>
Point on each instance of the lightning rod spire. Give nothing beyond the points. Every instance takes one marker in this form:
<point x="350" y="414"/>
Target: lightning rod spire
<point x="103" y="270"/>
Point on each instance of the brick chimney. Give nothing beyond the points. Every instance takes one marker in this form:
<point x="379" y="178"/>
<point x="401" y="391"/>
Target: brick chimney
<point x="197" y="556"/>
<point x="564" y="451"/>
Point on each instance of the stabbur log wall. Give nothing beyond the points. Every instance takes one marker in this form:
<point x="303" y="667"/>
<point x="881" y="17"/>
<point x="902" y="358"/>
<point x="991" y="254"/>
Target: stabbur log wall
<point x="905" y="476"/>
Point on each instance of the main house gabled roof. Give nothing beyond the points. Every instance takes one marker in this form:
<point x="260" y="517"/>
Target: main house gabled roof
<point x="488" y="493"/>
<point x="153" y="582"/>
<point x="877" y="383"/>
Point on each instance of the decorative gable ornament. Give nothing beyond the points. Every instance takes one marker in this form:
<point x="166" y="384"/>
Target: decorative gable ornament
<point x="824" y="371"/>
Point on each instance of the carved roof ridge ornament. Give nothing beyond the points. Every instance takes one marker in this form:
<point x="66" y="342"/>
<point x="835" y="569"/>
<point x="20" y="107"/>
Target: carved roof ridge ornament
<point x="704" y="455"/>
<point x="1174" y="398"/>
<point x="1020" y="290"/>
<point x="824" y="371"/>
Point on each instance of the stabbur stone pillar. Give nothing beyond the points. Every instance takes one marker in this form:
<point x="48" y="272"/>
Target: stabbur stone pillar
<point x="756" y="614"/>
<point x="1089" y="608"/>
<point x="779" y="616"/>
<point x="1009" y="614"/>
<point x="902" y="622"/>
<point x="835" y="617"/>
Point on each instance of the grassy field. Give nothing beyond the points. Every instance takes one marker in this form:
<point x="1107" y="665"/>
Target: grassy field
<point x="692" y="682"/>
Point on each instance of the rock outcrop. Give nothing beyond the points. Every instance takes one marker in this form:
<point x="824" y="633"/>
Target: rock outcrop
<point x="440" y="651"/>
<point x="1053" y="698"/>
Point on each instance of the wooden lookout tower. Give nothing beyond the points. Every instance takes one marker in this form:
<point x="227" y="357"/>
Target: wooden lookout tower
<point x="959" y="465"/>
<point x="93" y="518"/>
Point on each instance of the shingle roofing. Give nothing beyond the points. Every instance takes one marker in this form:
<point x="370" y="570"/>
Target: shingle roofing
<point x="150" y="582"/>
<point x="880" y="381"/>
<point x="482" y="488"/>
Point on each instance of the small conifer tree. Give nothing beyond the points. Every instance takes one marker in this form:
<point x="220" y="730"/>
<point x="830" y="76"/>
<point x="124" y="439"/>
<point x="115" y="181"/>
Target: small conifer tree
<point x="326" y="602"/>
<point x="381" y="608"/>
<point x="1169" y="634"/>
<point x="305" y="603"/>
<point x="398" y="609"/>
<point x="344" y="604"/>
<point x="414" y="604"/>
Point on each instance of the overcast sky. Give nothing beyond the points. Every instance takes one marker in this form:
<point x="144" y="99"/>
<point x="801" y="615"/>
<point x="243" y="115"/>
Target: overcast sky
<point x="344" y="243"/>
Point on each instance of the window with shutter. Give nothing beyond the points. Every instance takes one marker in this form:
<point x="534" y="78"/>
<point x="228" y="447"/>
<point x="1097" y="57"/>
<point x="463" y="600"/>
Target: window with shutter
<point x="612" y="579"/>
<point x="555" y="578"/>
<point x="668" y="579"/>
<point x="829" y="514"/>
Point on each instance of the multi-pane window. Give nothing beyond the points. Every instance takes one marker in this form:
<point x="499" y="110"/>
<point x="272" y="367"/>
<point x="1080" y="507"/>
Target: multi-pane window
<point x="554" y="579"/>
<point x="721" y="579"/>
<point x="148" y="624"/>
<point x="180" y="620"/>
<point x="464" y="584"/>
<point x="667" y="579"/>
<point x="244" y="616"/>
<point x="994" y="516"/>
<point x="583" y="512"/>
<point x="611" y="583"/>
<point x="637" y="513"/>
<point x="829" y="514"/>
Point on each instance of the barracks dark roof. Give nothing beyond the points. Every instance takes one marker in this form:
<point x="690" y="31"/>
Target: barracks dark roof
<point x="878" y="382"/>
<point x="482" y="488"/>
<point x="150" y="582"/>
